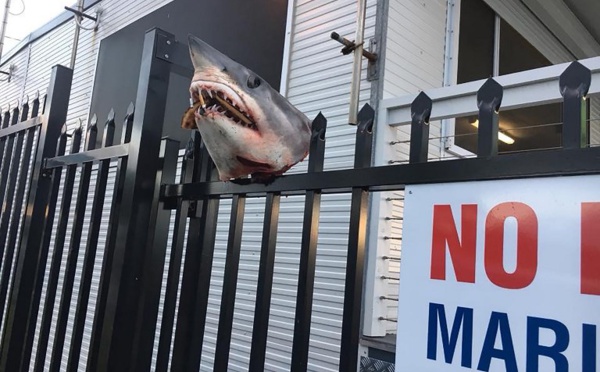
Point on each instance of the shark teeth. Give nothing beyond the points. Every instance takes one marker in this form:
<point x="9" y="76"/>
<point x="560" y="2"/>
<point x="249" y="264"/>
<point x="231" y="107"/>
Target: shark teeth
<point x="218" y="102"/>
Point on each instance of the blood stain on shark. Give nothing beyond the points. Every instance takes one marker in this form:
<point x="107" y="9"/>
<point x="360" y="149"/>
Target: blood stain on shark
<point x="248" y="128"/>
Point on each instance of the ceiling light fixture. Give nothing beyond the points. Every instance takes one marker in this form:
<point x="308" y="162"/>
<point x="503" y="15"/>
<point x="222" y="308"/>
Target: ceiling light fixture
<point x="501" y="136"/>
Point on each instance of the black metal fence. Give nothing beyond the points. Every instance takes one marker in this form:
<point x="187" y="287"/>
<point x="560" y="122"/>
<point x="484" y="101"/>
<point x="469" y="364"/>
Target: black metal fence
<point x="36" y="167"/>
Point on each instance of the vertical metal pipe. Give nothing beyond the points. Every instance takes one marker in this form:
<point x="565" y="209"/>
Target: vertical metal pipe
<point x="78" y="20"/>
<point x="4" y="24"/>
<point x="357" y="65"/>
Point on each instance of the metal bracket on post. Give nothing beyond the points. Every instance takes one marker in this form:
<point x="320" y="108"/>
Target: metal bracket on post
<point x="164" y="47"/>
<point x="9" y="73"/>
<point x="370" y="53"/>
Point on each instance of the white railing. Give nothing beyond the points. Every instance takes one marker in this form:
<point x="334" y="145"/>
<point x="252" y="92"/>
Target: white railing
<point x="524" y="89"/>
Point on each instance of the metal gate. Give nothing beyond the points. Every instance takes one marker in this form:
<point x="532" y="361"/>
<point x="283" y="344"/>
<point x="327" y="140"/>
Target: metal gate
<point x="36" y="165"/>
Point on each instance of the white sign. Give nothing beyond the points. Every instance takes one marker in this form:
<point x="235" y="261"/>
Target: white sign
<point x="501" y="276"/>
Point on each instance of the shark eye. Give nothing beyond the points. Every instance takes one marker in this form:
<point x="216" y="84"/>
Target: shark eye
<point x="253" y="82"/>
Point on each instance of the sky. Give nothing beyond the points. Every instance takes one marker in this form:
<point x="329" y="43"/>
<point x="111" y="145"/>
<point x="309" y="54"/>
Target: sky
<point x="36" y="14"/>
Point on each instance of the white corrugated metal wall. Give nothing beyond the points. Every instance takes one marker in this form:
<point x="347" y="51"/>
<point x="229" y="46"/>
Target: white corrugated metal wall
<point x="416" y="38"/>
<point x="414" y="61"/>
<point x="33" y="73"/>
<point x="318" y="79"/>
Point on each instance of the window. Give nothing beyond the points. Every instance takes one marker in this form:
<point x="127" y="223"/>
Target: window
<point x="488" y="46"/>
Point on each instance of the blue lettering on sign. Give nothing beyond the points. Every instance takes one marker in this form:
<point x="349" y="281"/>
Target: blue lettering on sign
<point x="554" y="352"/>
<point x="464" y="317"/>
<point x="589" y="348"/>
<point x="498" y="322"/>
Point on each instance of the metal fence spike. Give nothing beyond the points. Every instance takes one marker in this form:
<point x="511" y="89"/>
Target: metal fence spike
<point x="489" y="99"/>
<point x="109" y="130"/>
<point x="490" y="93"/>
<point x="15" y="115"/>
<point x="25" y="109"/>
<point x="576" y="79"/>
<point x="574" y="84"/>
<point x="319" y="126"/>
<point x="419" y="133"/>
<point x="127" y="125"/>
<point x="366" y="117"/>
<point x="130" y="109"/>
<point x="91" y="135"/>
<point x="93" y="123"/>
<point x="35" y="104"/>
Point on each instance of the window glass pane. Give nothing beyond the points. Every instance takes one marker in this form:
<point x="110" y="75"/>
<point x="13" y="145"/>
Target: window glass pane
<point x="527" y="128"/>
<point x="516" y="53"/>
<point x="538" y="127"/>
<point x="476" y="41"/>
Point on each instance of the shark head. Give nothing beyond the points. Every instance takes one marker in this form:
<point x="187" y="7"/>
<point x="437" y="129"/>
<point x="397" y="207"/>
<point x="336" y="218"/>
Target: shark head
<point x="247" y="126"/>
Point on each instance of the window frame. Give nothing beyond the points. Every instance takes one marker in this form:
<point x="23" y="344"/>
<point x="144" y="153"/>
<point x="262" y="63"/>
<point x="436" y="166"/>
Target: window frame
<point x="449" y="147"/>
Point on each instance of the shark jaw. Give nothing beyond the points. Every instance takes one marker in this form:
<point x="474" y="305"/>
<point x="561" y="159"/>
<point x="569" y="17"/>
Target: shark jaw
<point x="247" y="126"/>
<point x="218" y="99"/>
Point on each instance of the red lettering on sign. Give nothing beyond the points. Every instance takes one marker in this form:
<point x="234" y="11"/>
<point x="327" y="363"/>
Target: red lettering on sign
<point x="527" y="243"/>
<point x="462" y="252"/>
<point x="590" y="248"/>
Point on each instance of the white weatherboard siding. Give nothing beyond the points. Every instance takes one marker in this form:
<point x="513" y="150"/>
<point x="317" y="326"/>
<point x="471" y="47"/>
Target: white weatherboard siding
<point x="416" y="38"/>
<point x="414" y="61"/>
<point x="33" y="70"/>
<point x="318" y="79"/>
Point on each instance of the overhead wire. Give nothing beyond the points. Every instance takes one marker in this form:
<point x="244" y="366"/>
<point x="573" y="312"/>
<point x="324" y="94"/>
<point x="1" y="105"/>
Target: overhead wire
<point x="22" y="10"/>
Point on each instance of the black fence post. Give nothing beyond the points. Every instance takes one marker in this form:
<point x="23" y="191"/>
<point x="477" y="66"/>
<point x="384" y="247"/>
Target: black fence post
<point x="419" y="128"/>
<point x="16" y="352"/>
<point x="308" y="251"/>
<point x="489" y="99"/>
<point x="357" y="241"/>
<point x="574" y="84"/>
<point x="126" y="281"/>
